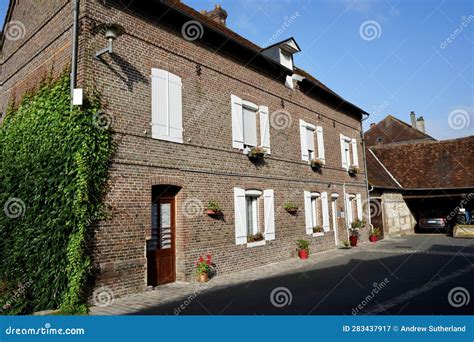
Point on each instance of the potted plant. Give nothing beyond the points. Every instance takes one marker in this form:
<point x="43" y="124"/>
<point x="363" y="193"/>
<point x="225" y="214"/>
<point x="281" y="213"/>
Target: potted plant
<point x="353" y="170"/>
<point x="255" y="237"/>
<point x="318" y="229"/>
<point x="374" y="234"/>
<point x="316" y="163"/>
<point x="212" y="208"/>
<point x="355" y="227"/>
<point x="291" y="208"/>
<point x="256" y="153"/>
<point x="303" y="248"/>
<point x="203" y="268"/>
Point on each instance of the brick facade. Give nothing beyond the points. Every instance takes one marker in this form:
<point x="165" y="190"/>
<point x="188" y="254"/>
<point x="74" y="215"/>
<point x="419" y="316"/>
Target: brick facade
<point x="204" y="166"/>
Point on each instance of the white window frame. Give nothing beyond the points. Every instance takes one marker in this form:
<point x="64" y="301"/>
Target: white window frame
<point x="253" y="196"/>
<point x="318" y="141"/>
<point x="314" y="208"/>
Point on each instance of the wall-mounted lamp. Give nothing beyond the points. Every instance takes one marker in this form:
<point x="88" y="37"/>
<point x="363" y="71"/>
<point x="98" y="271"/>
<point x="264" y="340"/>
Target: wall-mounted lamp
<point x="110" y="32"/>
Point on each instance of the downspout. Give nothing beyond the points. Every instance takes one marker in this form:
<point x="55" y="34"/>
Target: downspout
<point x="365" y="167"/>
<point x="75" y="19"/>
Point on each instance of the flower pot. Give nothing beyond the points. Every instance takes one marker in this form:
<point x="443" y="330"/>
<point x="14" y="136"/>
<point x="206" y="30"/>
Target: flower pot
<point x="303" y="254"/>
<point x="292" y="211"/>
<point x="353" y="239"/>
<point x="203" y="278"/>
<point x="211" y="212"/>
<point x="373" y="238"/>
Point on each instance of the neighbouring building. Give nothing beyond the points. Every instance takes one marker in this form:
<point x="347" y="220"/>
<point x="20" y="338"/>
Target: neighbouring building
<point x="410" y="172"/>
<point x="187" y="99"/>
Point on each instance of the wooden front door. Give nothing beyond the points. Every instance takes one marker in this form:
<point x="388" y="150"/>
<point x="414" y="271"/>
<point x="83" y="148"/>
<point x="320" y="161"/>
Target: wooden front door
<point x="161" y="248"/>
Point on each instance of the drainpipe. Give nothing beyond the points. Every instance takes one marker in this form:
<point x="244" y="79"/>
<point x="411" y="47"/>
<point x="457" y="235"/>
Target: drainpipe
<point x="75" y="16"/>
<point x="365" y="166"/>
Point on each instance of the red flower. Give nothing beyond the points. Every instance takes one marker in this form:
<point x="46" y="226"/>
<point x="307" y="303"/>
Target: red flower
<point x="208" y="256"/>
<point x="201" y="259"/>
<point x="208" y="262"/>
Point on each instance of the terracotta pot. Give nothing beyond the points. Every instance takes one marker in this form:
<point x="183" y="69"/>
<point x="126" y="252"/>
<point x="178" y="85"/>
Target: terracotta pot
<point x="373" y="238"/>
<point x="353" y="239"/>
<point x="203" y="278"/>
<point x="211" y="212"/>
<point x="303" y="254"/>
<point x="292" y="211"/>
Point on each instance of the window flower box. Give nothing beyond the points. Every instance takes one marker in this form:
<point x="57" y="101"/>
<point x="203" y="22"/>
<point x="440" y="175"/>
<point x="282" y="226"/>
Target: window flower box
<point x="255" y="153"/>
<point x="353" y="170"/>
<point x="255" y="238"/>
<point x="316" y="164"/>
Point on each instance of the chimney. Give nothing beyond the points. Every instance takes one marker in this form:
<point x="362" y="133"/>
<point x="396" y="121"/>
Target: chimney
<point x="413" y="119"/>
<point x="420" y="124"/>
<point x="218" y="14"/>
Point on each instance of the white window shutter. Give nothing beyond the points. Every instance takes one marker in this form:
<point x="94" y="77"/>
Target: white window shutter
<point x="304" y="142"/>
<point x="159" y="103"/>
<point x="308" y="214"/>
<point x="237" y="122"/>
<point x="320" y="140"/>
<point x="269" y="212"/>
<point x="345" y="162"/>
<point x="355" y="157"/>
<point x="359" y="206"/>
<point x="324" y="204"/>
<point x="240" y="216"/>
<point x="264" y="127"/>
<point x="175" y="108"/>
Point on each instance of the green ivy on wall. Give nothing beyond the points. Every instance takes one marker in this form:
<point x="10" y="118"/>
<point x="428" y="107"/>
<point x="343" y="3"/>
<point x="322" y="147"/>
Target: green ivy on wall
<point x="53" y="168"/>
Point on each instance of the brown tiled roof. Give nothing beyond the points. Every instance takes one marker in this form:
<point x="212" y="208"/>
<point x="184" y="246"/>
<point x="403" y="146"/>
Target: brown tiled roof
<point x="444" y="164"/>
<point x="377" y="174"/>
<point x="393" y="130"/>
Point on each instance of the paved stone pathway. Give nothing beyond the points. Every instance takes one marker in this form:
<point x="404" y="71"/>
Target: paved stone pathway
<point x="188" y="291"/>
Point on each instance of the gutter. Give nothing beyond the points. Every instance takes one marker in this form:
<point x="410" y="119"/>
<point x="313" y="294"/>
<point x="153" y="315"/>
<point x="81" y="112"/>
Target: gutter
<point x="75" y="20"/>
<point x="365" y="168"/>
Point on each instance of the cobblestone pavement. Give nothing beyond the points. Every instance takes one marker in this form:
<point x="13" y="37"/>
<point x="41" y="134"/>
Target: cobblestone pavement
<point x="330" y="282"/>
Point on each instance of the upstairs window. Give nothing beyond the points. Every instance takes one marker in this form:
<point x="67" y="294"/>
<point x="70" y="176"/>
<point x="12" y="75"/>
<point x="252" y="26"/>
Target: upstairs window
<point x="249" y="123"/>
<point x="349" y="154"/>
<point x="312" y="142"/>
<point x="166" y="107"/>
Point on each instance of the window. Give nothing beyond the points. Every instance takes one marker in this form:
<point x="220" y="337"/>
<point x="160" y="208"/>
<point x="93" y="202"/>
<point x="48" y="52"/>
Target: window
<point x="166" y="108"/>
<point x="353" y="208"/>
<point x="245" y="117"/>
<point x="252" y="206"/>
<point x="312" y="142"/>
<point x="251" y="217"/>
<point x="349" y="154"/>
<point x="316" y="211"/>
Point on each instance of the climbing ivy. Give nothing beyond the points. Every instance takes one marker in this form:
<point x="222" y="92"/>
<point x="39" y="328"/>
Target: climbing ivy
<point x="53" y="168"/>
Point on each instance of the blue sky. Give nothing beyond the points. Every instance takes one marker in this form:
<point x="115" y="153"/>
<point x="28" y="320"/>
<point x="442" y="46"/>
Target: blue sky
<point x="401" y="62"/>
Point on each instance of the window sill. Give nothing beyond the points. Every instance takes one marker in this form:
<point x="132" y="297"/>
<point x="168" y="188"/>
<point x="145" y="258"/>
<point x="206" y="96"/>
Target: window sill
<point x="256" y="243"/>
<point x="317" y="234"/>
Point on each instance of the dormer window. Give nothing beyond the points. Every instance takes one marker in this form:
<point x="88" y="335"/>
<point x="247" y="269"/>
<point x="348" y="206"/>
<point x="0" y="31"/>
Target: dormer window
<point x="282" y="52"/>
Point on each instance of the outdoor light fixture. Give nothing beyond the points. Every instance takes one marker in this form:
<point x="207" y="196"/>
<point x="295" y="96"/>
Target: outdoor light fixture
<point x="110" y="32"/>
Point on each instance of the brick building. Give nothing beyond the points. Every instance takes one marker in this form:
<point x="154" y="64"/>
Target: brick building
<point x="410" y="172"/>
<point x="187" y="99"/>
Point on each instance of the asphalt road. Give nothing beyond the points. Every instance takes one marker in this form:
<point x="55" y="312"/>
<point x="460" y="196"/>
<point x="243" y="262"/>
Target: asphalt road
<point x="420" y="274"/>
